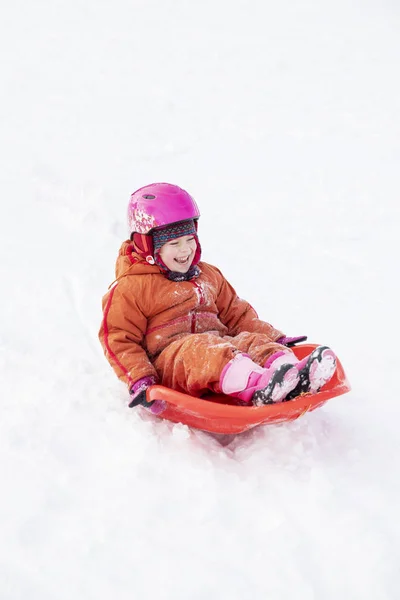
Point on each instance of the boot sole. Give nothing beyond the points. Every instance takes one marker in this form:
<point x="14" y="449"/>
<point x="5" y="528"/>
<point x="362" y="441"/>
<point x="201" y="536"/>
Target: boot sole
<point x="282" y="382"/>
<point x="321" y="369"/>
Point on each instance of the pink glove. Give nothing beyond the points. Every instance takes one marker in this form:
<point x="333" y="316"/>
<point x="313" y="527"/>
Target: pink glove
<point x="291" y="341"/>
<point x="138" y="395"/>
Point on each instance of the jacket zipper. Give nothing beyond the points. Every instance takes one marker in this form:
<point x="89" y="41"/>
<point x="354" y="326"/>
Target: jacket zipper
<point x="193" y="325"/>
<point x="202" y="300"/>
<point x="200" y="291"/>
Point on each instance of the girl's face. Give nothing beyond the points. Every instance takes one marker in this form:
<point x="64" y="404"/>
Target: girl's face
<point x="178" y="254"/>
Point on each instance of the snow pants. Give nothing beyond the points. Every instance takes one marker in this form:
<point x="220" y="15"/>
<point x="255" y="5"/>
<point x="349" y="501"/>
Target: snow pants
<point x="193" y="364"/>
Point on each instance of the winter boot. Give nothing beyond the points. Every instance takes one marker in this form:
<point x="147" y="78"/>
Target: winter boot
<point x="315" y="370"/>
<point x="246" y="380"/>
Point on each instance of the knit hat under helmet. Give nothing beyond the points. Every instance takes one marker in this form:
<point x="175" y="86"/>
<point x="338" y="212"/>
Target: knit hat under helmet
<point x="176" y="230"/>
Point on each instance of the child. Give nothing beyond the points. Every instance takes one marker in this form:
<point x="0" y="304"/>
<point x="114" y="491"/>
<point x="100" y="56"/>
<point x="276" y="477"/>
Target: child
<point x="173" y="320"/>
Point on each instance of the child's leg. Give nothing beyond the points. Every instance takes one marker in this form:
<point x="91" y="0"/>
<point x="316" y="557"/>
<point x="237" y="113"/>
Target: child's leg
<point x="257" y="345"/>
<point x="315" y="370"/>
<point x="198" y="363"/>
<point x="194" y="363"/>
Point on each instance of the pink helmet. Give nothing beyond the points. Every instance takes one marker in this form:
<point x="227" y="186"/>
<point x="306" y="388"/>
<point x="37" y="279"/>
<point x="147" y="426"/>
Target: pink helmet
<point x="158" y="205"/>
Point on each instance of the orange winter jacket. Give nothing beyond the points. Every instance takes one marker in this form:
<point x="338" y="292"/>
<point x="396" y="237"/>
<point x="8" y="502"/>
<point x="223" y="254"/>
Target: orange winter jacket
<point x="143" y="312"/>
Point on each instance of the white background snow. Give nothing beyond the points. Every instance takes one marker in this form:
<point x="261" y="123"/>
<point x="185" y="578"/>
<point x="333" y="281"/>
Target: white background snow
<point x="282" y="119"/>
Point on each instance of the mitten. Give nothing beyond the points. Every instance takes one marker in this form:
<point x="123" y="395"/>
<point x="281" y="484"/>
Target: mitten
<point x="291" y="341"/>
<point x="138" y="395"/>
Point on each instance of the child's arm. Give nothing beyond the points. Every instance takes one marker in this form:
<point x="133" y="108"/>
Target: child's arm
<point x="238" y="315"/>
<point x="121" y="335"/>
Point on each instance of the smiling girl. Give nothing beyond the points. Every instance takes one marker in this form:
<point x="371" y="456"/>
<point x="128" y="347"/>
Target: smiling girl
<point x="171" y="319"/>
<point x="178" y="254"/>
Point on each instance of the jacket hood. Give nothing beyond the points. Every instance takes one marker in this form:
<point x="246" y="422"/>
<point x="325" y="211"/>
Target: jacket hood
<point x="131" y="263"/>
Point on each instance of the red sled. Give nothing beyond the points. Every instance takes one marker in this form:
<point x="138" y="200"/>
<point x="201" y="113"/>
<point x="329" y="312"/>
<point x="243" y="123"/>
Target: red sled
<point x="218" y="413"/>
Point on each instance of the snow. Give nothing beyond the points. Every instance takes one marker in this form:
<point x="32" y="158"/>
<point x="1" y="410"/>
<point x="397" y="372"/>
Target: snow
<point x="282" y="120"/>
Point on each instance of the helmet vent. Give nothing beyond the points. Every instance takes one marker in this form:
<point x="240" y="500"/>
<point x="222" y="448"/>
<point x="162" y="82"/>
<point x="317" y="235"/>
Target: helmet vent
<point x="148" y="196"/>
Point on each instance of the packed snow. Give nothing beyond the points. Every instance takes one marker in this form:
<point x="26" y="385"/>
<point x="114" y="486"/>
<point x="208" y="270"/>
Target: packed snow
<point x="282" y="119"/>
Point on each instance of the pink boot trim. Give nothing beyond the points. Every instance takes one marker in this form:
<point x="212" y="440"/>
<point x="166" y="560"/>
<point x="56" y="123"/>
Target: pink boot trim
<point x="236" y="375"/>
<point x="243" y="378"/>
<point x="281" y="358"/>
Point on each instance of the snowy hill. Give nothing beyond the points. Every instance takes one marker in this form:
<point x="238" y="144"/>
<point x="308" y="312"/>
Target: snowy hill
<point x="282" y="120"/>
